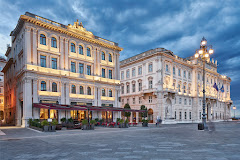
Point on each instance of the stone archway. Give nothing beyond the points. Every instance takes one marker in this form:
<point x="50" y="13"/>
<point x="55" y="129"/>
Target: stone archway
<point x="168" y="109"/>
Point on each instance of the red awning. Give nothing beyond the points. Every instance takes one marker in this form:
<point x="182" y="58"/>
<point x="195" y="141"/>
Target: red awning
<point x="83" y="108"/>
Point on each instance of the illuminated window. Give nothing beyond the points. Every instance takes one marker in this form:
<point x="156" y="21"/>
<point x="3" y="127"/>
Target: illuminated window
<point x="103" y="56"/>
<point x="109" y="57"/>
<point x="73" y="89"/>
<point x="89" y="91"/>
<point x="54" y="87"/>
<point x="73" y="48"/>
<point x="53" y="114"/>
<point x="110" y="74"/>
<point x="110" y="93"/>
<point x="53" y="42"/>
<point x="88" y="70"/>
<point x="73" y="67"/>
<point x="88" y="52"/>
<point x="54" y="63"/>
<point x="80" y="49"/>
<point x="81" y="90"/>
<point x="43" y="113"/>
<point x="103" y="92"/>
<point x="43" y="86"/>
<point x="43" y="61"/>
<point x="42" y="39"/>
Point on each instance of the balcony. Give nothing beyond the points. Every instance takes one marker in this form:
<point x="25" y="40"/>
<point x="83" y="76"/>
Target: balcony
<point x="150" y="90"/>
<point x="107" y="98"/>
<point x="83" y="96"/>
<point x="48" y="93"/>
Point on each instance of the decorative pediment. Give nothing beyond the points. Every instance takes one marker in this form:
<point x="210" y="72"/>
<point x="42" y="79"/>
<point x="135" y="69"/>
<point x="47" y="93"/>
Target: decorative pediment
<point x="78" y="28"/>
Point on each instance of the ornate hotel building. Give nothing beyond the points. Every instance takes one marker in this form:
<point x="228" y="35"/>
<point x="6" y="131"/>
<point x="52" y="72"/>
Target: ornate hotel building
<point x="171" y="87"/>
<point x="2" y="64"/>
<point x="66" y="65"/>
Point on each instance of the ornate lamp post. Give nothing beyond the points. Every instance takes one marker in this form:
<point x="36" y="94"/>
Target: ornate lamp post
<point x="234" y="108"/>
<point x="203" y="54"/>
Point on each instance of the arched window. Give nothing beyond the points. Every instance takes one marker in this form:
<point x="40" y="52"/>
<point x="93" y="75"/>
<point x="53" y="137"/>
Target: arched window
<point x="103" y="92"/>
<point x="110" y="93"/>
<point x="54" y="87"/>
<point x="42" y="39"/>
<point x="54" y="42"/>
<point x="81" y="90"/>
<point x="43" y="86"/>
<point x="89" y="91"/>
<point x="80" y="49"/>
<point x="88" y="52"/>
<point x="103" y="56"/>
<point x="73" y="89"/>
<point x="73" y="48"/>
<point x="109" y="57"/>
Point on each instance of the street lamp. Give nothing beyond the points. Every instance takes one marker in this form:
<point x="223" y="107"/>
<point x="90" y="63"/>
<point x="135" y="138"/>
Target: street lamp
<point x="203" y="54"/>
<point x="234" y="108"/>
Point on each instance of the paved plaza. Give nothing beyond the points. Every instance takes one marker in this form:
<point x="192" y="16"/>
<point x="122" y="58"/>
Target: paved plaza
<point x="180" y="141"/>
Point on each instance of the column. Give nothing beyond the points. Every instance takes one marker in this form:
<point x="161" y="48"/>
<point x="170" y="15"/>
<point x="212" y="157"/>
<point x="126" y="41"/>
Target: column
<point x="61" y="65"/>
<point x="137" y="116"/>
<point x="67" y="94"/>
<point x="34" y="45"/>
<point x="36" y="111"/>
<point x="18" y="107"/>
<point x="66" y="55"/>
<point x="96" y="96"/>
<point x="117" y="66"/>
<point x="63" y="88"/>
<point x="27" y="45"/>
<point x="27" y="101"/>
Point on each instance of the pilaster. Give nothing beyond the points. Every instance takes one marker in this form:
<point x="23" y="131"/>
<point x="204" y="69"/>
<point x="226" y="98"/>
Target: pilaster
<point x="27" y="101"/>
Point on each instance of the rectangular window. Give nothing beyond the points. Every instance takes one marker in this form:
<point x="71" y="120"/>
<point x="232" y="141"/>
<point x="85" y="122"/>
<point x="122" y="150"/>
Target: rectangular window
<point x="150" y="67"/>
<point x="180" y="115"/>
<point x="73" y="67"/>
<point x="150" y="99"/>
<point x="110" y="74"/>
<point x="43" y="61"/>
<point x="184" y="74"/>
<point x="140" y="86"/>
<point x="103" y="73"/>
<point x="122" y="75"/>
<point x="175" y="114"/>
<point x="185" y="101"/>
<point x="122" y="101"/>
<point x="128" y="89"/>
<point x="185" y="115"/>
<point x="127" y="101"/>
<point x="166" y="68"/>
<point x="189" y="75"/>
<point x="89" y="70"/>
<point x="127" y="74"/>
<point x="179" y="72"/>
<point x="190" y="102"/>
<point x="81" y="68"/>
<point x="122" y="89"/>
<point x="190" y="115"/>
<point x="133" y="100"/>
<point x="150" y="84"/>
<point x="173" y="70"/>
<point x="139" y="70"/>
<point x="133" y="87"/>
<point x="133" y="72"/>
<point x="54" y="63"/>
<point x="140" y="100"/>
<point x="180" y="100"/>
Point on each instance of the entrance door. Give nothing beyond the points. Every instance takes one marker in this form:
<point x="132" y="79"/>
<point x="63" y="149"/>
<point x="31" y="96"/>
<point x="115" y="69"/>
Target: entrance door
<point x="150" y="115"/>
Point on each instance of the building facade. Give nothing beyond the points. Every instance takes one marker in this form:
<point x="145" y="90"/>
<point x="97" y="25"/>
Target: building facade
<point x="2" y="64"/>
<point x="51" y="63"/>
<point x="171" y="87"/>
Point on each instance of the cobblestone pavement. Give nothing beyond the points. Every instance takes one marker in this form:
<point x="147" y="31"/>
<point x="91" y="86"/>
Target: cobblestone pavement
<point x="180" y="141"/>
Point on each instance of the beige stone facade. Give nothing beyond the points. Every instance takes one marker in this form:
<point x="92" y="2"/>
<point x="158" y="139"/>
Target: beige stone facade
<point x="49" y="62"/>
<point x="2" y="64"/>
<point x="171" y="87"/>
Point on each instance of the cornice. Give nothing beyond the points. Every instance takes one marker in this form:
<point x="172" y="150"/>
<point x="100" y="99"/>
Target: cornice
<point x="67" y="32"/>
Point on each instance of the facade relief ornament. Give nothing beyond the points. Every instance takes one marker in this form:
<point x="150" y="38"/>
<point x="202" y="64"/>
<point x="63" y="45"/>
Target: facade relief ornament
<point x="78" y="28"/>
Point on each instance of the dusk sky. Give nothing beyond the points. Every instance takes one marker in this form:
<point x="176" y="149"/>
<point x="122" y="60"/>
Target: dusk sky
<point x="140" y="25"/>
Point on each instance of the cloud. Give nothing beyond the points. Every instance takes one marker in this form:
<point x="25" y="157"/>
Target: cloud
<point x="130" y="13"/>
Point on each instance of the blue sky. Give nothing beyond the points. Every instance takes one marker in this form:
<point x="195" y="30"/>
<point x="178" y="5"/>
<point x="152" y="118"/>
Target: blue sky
<point x="140" y="25"/>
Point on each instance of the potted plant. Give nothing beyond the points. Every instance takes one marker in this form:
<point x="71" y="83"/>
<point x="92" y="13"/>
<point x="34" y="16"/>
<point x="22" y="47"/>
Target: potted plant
<point x="92" y="124"/>
<point x="84" y="124"/>
<point x="63" y="120"/>
<point x="127" y="114"/>
<point x="70" y="124"/>
<point x="53" y="126"/>
<point x="126" y="123"/>
<point x="121" y="121"/>
<point x="145" y="123"/>
<point x="97" y="120"/>
<point x="45" y="125"/>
